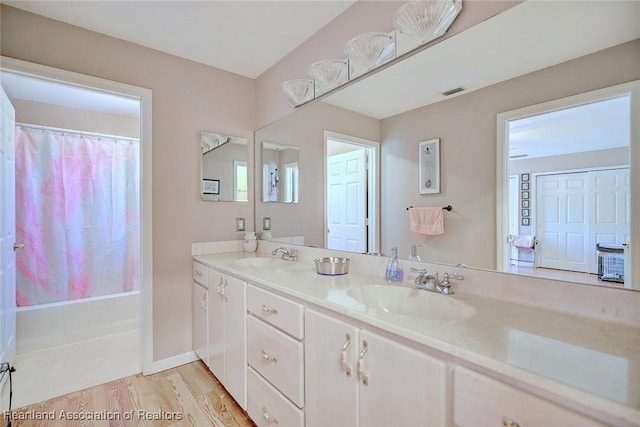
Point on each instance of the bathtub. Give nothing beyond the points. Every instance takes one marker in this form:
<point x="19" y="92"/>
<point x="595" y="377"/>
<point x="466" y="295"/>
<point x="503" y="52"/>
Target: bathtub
<point x="49" y="325"/>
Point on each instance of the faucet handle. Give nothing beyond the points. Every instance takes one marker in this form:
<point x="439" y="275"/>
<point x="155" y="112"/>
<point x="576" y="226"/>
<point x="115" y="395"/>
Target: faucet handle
<point x="419" y="270"/>
<point x="448" y="276"/>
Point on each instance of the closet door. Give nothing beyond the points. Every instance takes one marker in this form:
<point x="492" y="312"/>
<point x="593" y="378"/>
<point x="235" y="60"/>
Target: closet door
<point x="562" y="221"/>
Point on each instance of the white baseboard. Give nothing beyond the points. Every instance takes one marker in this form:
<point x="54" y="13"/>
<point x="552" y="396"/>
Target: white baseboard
<point x="171" y="362"/>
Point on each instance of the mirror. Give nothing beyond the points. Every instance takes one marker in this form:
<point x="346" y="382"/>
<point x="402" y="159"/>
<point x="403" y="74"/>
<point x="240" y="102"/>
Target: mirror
<point x="561" y="62"/>
<point x="223" y="168"/>
<point x="280" y="173"/>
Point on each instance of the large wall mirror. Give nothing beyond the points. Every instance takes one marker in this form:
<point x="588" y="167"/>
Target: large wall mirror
<point x="280" y="173"/>
<point x="224" y="171"/>
<point x="566" y="45"/>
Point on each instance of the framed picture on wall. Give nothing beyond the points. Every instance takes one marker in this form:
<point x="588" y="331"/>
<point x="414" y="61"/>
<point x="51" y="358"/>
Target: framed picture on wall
<point x="524" y="177"/>
<point x="525" y="204"/>
<point x="210" y="186"/>
<point x="525" y="213"/>
<point x="525" y="221"/>
<point x="524" y="186"/>
<point x="429" y="166"/>
<point x="525" y="195"/>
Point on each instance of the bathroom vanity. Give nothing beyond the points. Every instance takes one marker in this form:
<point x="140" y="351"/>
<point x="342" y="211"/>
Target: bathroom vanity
<point x="302" y="349"/>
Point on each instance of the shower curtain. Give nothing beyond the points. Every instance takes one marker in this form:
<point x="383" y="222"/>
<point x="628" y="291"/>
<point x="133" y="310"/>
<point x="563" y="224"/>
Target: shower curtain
<point x="78" y="213"/>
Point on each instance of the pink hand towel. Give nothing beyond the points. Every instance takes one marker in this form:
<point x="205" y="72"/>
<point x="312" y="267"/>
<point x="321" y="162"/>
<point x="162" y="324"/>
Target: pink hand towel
<point x="522" y="241"/>
<point x="428" y="221"/>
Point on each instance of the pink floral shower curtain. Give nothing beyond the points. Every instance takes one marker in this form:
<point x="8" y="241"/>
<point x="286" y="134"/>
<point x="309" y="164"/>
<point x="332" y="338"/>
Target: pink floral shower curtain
<point x="78" y="213"/>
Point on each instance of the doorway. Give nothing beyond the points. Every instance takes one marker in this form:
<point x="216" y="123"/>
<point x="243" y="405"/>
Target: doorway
<point x="572" y="159"/>
<point x="351" y="194"/>
<point x="85" y="91"/>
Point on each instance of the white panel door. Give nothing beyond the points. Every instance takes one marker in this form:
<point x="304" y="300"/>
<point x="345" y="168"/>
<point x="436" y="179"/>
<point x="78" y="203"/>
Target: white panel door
<point x="609" y="209"/>
<point x="7" y="232"/>
<point x="562" y="224"/>
<point x="346" y="201"/>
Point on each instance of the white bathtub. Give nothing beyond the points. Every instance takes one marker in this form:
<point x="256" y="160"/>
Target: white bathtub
<point x="49" y="325"/>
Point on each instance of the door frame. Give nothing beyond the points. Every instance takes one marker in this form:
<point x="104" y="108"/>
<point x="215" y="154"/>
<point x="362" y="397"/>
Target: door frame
<point x="373" y="186"/>
<point x="144" y="96"/>
<point x="502" y="141"/>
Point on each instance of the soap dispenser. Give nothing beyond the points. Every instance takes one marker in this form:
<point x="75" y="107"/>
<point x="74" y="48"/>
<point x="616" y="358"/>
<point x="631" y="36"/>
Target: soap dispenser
<point x="414" y="254"/>
<point x="394" y="271"/>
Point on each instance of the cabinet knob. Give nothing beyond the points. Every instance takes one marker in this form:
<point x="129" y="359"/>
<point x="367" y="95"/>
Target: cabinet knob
<point x="344" y="355"/>
<point x="266" y="356"/>
<point x="507" y="422"/>
<point x="269" y="310"/>
<point x="361" y="374"/>
<point x="268" y="418"/>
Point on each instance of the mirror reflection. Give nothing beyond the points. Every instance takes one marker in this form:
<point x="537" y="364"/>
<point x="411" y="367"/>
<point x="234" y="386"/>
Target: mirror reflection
<point x="561" y="62"/>
<point x="569" y="188"/>
<point x="224" y="170"/>
<point x="280" y="173"/>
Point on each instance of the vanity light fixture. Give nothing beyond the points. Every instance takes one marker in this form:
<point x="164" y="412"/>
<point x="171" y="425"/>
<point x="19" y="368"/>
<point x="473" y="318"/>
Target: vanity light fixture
<point x="426" y="20"/>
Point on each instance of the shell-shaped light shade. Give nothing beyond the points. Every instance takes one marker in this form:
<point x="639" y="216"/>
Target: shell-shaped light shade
<point x="298" y="91"/>
<point x="328" y="74"/>
<point x="371" y="50"/>
<point x="426" y="20"/>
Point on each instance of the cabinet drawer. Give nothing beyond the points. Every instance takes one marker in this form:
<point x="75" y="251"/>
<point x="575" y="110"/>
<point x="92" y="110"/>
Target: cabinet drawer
<point x="482" y="401"/>
<point x="268" y="407"/>
<point x="200" y="274"/>
<point x="277" y="357"/>
<point x="283" y="314"/>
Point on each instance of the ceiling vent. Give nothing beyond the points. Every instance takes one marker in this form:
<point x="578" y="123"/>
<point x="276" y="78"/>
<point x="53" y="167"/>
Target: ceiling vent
<point x="452" y="91"/>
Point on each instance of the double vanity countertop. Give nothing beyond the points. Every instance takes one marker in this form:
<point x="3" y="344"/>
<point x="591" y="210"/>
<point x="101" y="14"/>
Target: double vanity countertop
<point x="586" y="363"/>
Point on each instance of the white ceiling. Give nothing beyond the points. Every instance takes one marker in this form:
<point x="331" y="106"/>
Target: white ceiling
<point x="244" y="37"/>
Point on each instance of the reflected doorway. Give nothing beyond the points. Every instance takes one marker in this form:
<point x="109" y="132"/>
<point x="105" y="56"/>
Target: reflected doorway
<point x="567" y="173"/>
<point x="351" y="200"/>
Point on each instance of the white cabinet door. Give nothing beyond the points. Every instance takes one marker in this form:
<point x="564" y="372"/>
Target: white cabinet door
<point x="200" y="320"/>
<point x="235" y="327"/>
<point x="216" y="324"/>
<point x="390" y="384"/>
<point x="404" y="387"/>
<point x="330" y="375"/>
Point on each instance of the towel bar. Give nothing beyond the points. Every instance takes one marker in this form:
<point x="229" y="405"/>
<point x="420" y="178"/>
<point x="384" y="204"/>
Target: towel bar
<point x="446" y="208"/>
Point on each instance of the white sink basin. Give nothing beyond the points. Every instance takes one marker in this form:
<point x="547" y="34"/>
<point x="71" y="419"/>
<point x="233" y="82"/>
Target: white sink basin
<point x="389" y="300"/>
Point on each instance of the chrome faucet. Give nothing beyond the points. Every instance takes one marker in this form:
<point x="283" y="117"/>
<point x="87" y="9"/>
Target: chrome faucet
<point x="431" y="281"/>
<point x="289" y="254"/>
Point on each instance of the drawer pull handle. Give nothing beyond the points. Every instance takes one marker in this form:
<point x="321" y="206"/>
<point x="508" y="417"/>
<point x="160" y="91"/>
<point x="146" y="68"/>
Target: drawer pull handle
<point x="268" y="418"/>
<point x="266" y="356"/>
<point x="507" y="422"/>
<point x="361" y="374"/>
<point x="269" y="310"/>
<point x="344" y="356"/>
<point x="203" y="302"/>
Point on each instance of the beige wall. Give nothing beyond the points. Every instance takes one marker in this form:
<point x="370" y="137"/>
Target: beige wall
<point x="362" y="17"/>
<point x="305" y="130"/>
<point x="37" y="113"/>
<point x="466" y="126"/>
<point x="187" y="99"/>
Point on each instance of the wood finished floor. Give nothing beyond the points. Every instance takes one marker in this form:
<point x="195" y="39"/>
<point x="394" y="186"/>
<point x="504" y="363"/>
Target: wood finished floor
<point x="188" y="395"/>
